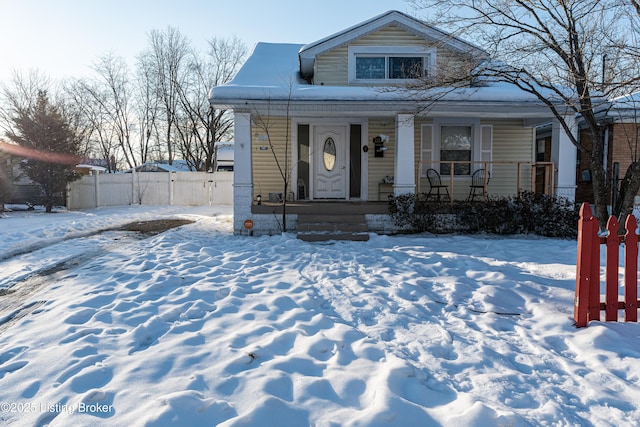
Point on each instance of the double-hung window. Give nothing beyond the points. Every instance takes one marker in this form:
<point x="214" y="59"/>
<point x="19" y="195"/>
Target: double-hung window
<point x="380" y="64"/>
<point x="463" y="144"/>
<point x="456" y="145"/>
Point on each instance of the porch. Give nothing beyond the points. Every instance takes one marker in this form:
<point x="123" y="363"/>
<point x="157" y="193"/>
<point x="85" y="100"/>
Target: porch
<point x="323" y="207"/>
<point x="320" y="219"/>
<point x="469" y="180"/>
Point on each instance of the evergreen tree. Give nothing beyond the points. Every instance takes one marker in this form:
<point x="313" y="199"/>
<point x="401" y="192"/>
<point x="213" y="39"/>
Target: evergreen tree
<point x="5" y="179"/>
<point x="49" y="146"/>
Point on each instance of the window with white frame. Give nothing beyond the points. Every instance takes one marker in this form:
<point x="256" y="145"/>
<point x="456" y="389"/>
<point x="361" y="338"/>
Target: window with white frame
<point x="456" y="145"/>
<point x="376" y="64"/>
<point x="468" y="144"/>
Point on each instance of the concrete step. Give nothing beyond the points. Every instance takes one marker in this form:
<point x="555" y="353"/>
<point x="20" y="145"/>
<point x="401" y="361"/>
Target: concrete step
<point x="331" y="218"/>
<point x="333" y="227"/>
<point x="326" y="227"/>
<point x="320" y="237"/>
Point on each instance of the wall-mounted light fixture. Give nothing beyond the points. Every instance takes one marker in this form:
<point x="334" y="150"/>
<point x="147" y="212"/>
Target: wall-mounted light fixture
<point x="263" y="138"/>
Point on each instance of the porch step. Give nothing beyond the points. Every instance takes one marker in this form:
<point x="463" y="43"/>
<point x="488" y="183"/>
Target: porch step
<point x="325" y="227"/>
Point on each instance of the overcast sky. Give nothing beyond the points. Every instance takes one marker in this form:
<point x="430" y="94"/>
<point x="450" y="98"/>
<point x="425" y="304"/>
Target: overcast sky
<point x="63" y="38"/>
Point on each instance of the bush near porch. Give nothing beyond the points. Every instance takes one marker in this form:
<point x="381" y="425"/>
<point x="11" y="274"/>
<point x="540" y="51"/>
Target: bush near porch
<point x="528" y="213"/>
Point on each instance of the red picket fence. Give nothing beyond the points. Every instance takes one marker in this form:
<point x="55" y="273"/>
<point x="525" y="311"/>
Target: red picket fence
<point x="587" y="302"/>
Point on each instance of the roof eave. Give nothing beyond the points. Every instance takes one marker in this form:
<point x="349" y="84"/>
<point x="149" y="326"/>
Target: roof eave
<point x="308" y="53"/>
<point x="526" y="110"/>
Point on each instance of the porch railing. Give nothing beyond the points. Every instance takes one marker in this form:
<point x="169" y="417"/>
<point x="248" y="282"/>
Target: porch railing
<point x="507" y="177"/>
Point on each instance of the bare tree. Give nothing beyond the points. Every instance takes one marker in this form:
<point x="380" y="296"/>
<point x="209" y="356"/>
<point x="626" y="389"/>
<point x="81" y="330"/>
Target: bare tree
<point x="168" y="56"/>
<point x="281" y="150"/>
<point x="555" y="51"/>
<point x="99" y="136"/>
<point x="147" y="107"/>
<point x="112" y="92"/>
<point x="159" y="112"/>
<point x="20" y="94"/>
<point x="202" y="126"/>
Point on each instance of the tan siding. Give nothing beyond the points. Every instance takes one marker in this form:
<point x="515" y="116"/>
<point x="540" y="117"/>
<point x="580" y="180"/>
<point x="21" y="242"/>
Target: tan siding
<point x="266" y="176"/>
<point x="390" y="36"/>
<point x="380" y="167"/>
<point x="331" y="68"/>
<point x="511" y="143"/>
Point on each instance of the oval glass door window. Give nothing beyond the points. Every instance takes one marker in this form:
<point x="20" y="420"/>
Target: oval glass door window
<point x="329" y="154"/>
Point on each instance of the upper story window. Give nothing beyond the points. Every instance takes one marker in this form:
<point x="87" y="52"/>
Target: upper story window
<point x="379" y="64"/>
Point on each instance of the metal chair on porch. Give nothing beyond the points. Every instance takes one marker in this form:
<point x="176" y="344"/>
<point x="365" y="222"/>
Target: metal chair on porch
<point x="436" y="185"/>
<point x="478" y="184"/>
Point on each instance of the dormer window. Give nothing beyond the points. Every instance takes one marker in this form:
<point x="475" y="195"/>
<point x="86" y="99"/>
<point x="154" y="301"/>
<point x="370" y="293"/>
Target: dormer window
<point x="379" y="64"/>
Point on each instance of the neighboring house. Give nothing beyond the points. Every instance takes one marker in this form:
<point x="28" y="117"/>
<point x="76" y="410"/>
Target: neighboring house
<point x="93" y="166"/>
<point x="224" y="157"/>
<point x="23" y="190"/>
<point x="354" y="132"/>
<point x="622" y="144"/>
<point x="176" y="166"/>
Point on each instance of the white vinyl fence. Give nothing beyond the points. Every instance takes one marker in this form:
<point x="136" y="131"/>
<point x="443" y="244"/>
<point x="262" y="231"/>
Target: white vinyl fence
<point x="151" y="188"/>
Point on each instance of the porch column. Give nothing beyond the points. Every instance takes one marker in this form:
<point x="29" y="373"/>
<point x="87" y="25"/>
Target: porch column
<point x="563" y="155"/>
<point x="404" y="173"/>
<point x="242" y="171"/>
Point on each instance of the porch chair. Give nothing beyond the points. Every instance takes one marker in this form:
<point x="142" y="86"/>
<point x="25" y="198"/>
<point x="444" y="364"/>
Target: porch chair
<point x="477" y="184"/>
<point x="436" y="185"/>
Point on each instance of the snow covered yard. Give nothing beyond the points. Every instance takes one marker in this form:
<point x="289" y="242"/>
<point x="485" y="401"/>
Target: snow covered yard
<point x="198" y="327"/>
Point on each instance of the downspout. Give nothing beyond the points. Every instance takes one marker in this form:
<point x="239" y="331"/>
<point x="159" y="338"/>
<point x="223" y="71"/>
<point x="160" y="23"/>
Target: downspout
<point x="605" y="164"/>
<point x="605" y="154"/>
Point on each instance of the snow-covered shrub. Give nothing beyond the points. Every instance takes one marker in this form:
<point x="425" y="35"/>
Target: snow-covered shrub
<point x="528" y="214"/>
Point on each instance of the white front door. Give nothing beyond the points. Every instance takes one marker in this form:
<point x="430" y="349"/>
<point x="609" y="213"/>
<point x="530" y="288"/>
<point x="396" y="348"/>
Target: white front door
<point x="330" y="162"/>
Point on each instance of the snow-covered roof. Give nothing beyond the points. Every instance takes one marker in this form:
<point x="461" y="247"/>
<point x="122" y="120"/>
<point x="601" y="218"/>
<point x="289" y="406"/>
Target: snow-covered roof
<point x="408" y="23"/>
<point x="271" y="76"/>
<point x="177" y="166"/>
<point x="225" y="154"/>
<point x="91" y="167"/>
<point x="625" y="108"/>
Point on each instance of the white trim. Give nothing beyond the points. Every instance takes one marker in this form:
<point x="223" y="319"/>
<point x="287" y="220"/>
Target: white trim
<point x="428" y="55"/>
<point x="293" y="185"/>
<point x="242" y="149"/>
<point x="243" y="173"/>
<point x="313" y="124"/>
<point x="308" y="53"/>
<point x="486" y="152"/>
<point x="563" y="155"/>
<point x="364" y="159"/>
<point x="426" y="154"/>
<point x="476" y="142"/>
<point x="405" y="178"/>
<point x="313" y="150"/>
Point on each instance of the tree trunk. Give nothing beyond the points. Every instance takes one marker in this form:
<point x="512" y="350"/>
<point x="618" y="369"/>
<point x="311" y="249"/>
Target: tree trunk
<point x="599" y="191"/>
<point x="284" y="206"/>
<point x="629" y="187"/>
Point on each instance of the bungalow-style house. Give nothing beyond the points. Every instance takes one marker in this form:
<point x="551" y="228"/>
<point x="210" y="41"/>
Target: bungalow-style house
<point x="351" y="121"/>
